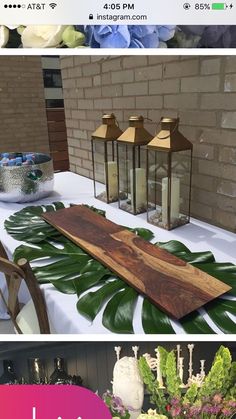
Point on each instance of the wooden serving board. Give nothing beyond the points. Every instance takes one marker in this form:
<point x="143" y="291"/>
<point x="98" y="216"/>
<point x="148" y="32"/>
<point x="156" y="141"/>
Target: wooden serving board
<point x="173" y="285"/>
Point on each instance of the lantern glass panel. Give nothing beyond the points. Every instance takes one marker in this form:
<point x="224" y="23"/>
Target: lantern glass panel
<point x="181" y="163"/>
<point x="157" y="171"/>
<point x="132" y="178"/>
<point x="105" y="170"/>
<point x="169" y="188"/>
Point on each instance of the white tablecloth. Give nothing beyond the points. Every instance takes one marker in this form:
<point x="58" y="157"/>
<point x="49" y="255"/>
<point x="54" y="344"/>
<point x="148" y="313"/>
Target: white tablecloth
<point x="72" y="188"/>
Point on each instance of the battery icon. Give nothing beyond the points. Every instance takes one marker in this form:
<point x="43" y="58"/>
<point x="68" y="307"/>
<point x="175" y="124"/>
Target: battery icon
<point x="218" y="6"/>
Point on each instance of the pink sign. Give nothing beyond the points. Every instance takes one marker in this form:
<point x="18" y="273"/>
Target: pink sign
<point x="50" y="402"/>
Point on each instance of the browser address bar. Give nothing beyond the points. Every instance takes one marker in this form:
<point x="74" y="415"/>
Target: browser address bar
<point x="136" y="12"/>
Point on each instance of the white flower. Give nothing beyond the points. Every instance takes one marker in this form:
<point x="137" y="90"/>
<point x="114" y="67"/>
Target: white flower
<point x="12" y="26"/>
<point x="4" y="36"/>
<point x="152" y="414"/>
<point x="42" y="36"/>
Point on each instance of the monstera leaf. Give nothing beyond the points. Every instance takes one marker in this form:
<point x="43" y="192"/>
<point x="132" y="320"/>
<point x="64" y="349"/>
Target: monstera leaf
<point x="27" y="225"/>
<point x="57" y="260"/>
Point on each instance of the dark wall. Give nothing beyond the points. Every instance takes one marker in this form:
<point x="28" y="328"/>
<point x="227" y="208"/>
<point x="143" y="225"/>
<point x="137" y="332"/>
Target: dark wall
<point x="94" y="361"/>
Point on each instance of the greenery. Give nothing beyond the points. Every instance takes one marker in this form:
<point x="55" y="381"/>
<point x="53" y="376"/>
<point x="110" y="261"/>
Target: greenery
<point x="215" y="399"/>
<point x="163" y="358"/>
<point x="57" y="260"/>
<point x="156" y="395"/>
<point x="172" y="379"/>
<point x="191" y="394"/>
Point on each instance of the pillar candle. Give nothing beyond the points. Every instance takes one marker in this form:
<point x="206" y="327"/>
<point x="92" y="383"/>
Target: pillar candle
<point x="112" y="175"/>
<point x="202" y="363"/>
<point x="140" y="187"/>
<point x="181" y="369"/>
<point x="178" y="354"/>
<point x="175" y="199"/>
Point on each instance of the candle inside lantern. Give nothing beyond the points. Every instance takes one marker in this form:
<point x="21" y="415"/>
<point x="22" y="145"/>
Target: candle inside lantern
<point x="112" y="176"/>
<point x="175" y="199"/>
<point x="140" y="187"/>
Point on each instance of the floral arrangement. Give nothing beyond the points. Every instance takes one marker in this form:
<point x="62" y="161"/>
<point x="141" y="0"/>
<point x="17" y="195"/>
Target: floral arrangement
<point x="115" y="406"/>
<point x="151" y="414"/>
<point x="117" y="36"/>
<point x="104" y="36"/>
<point x="214" y="399"/>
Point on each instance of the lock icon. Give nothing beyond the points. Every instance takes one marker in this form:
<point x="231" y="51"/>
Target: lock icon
<point x="91" y="16"/>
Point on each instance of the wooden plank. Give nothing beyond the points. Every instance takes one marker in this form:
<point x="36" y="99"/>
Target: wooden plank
<point x="175" y="286"/>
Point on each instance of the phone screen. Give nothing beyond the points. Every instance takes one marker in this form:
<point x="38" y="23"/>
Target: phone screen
<point x="132" y="12"/>
<point x="124" y="24"/>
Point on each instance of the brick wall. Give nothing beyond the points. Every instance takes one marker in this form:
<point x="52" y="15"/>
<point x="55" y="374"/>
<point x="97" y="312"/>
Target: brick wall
<point x="22" y="105"/>
<point x="200" y="90"/>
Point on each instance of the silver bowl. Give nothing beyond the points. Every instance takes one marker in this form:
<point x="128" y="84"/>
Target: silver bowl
<point x="27" y="183"/>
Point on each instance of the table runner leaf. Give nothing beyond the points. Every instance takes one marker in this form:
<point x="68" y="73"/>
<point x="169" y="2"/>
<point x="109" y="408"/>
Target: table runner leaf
<point x="142" y="232"/>
<point x="88" y="280"/>
<point x="180" y="250"/>
<point x="219" y="315"/>
<point x="195" y="324"/>
<point x="173" y="246"/>
<point x="71" y="270"/>
<point x="60" y="270"/>
<point x="66" y="287"/>
<point x="46" y="249"/>
<point x="154" y="320"/>
<point x="27" y="224"/>
<point x="118" y="314"/>
<point x="90" y="304"/>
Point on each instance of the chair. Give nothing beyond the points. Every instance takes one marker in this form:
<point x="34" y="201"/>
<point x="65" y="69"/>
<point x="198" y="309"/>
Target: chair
<point x="32" y="318"/>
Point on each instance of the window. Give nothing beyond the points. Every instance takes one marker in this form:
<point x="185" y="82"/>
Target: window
<point x="54" y="103"/>
<point x="52" y="78"/>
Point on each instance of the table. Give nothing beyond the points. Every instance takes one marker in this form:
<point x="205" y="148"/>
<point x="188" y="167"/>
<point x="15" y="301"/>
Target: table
<point x="72" y="188"/>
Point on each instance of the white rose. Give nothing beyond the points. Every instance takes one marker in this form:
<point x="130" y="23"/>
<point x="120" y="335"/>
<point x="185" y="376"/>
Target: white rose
<point x="42" y="36"/>
<point x="4" y="36"/>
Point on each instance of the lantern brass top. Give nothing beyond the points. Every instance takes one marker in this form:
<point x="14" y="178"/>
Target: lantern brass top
<point x="135" y="134"/>
<point x="109" y="129"/>
<point x="169" y="138"/>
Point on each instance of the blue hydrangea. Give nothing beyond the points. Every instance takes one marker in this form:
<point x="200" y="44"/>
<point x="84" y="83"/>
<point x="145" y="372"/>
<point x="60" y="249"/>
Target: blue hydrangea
<point x="214" y="36"/>
<point x="127" y="36"/>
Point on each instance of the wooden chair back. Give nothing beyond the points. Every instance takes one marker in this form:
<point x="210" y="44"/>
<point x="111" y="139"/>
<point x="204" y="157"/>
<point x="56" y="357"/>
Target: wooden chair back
<point x="15" y="273"/>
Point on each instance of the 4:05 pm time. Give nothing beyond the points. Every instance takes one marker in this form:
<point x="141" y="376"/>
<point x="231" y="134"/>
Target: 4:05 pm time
<point x="119" y="6"/>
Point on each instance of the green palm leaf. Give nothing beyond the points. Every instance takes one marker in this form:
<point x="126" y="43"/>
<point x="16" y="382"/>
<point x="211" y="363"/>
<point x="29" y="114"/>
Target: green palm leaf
<point x="219" y="314"/>
<point x="154" y="320"/>
<point x="194" y="323"/>
<point x="119" y="311"/>
<point x="73" y="271"/>
<point x="27" y="224"/>
<point x="90" y="304"/>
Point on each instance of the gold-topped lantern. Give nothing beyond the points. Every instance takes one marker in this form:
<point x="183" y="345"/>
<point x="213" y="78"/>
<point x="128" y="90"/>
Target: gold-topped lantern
<point x="131" y="159"/>
<point x="105" y="175"/>
<point x="169" y="167"/>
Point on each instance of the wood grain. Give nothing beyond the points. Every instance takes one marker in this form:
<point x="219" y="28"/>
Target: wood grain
<point x="175" y="286"/>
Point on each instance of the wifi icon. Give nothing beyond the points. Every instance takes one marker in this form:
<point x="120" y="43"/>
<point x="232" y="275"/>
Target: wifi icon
<point x="53" y="5"/>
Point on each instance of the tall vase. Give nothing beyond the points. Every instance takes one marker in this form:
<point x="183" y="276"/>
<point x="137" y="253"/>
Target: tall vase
<point x="37" y="373"/>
